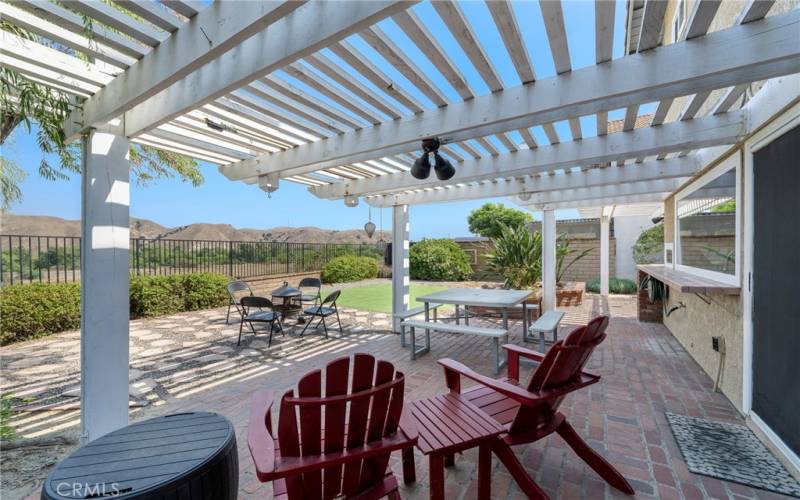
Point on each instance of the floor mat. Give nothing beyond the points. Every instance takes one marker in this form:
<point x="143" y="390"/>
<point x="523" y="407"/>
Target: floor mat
<point x="730" y="452"/>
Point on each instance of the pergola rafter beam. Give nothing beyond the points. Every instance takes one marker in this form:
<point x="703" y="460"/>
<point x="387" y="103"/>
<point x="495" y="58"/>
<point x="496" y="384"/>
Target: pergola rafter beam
<point x="153" y="13"/>
<point x="726" y="128"/>
<point x="184" y="72"/>
<point x="224" y="24"/>
<point x="648" y="171"/>
<point x="73" y="22"/>
<point x="354" y="58"/>
<point x="415" y="29"/>
<point x="503" y="15"/>
<point x="594" y="202"/>
<point x="586" y="194"/>
<point x="404" y="64"/>
<point x="603" y="193"/>
<point x="459" y="27"/>
<point x="755" y="51"/>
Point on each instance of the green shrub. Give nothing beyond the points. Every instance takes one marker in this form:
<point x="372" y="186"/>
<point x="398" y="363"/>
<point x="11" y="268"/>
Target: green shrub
<point x="439" y="260"/>
<point x="161" y="295"/>
<point x="649" y="245"/>
<point x="38" y="309"/>
<point x="155" y="295"/>
<point x="615" y="285"/>
<point x="204" y="291"/>
<point x="349" y="268"/>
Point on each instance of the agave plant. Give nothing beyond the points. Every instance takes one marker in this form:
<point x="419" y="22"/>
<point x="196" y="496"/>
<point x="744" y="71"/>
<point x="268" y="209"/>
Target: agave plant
<point x="517" y="257"/>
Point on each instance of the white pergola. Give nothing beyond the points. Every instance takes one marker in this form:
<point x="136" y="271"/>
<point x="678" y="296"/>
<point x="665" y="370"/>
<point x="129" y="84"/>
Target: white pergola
<point x="302" y="92"/>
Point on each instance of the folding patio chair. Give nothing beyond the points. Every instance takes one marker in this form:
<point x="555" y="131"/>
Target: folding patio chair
<point x="234" y="287"/>
<point x="250" y="316"/>
<point x="530" y="412"/>
<point x="314" y="294"/>
<point x="344" y="454"/>
<point x="323" y="311"/>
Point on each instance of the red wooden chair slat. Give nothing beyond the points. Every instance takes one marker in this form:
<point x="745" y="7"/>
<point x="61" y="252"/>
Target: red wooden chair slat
<point x="363" y="376"/>
<point x="374" y="467"/>
<point x="336" y="378"/>
<point x="532" y="414"/>
<point x="346" y="452"/>
<point x="310" y="386"/>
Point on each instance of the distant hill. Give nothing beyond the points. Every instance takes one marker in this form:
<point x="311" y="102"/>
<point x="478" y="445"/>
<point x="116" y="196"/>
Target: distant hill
<point x="39" y="225"/>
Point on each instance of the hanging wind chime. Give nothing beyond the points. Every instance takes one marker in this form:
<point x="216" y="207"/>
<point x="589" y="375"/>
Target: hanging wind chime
<point x="369" y="227"/>
<point x="381" y="244"/>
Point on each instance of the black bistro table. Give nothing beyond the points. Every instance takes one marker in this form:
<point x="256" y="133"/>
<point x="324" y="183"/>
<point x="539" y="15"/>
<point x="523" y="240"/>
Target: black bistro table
<point x="288" y="306"/>
<point x="181" y="456"/>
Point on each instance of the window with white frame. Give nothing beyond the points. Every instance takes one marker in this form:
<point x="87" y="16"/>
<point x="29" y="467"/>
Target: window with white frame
<point x="706" y="224"/>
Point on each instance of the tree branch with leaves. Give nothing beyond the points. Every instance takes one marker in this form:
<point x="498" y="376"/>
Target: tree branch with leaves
<point x="43" y="109"/>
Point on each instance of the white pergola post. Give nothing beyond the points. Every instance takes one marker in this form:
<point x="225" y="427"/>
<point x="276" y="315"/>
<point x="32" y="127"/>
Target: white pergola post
<point x="400" y="263"/>
<point x="105" y="201"/>
<point x="548" y="260"/>
<point x="604" y="259"/>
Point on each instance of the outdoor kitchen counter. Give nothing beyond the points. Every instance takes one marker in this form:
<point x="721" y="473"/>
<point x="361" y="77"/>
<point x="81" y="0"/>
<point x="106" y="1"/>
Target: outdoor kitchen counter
<point x="683" y="281"/>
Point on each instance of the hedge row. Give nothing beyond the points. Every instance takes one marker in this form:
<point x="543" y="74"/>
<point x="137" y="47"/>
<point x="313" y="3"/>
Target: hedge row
<point x="39" y="309"/>
<point x="615" y="285"/>
<point x="349" y="268"/>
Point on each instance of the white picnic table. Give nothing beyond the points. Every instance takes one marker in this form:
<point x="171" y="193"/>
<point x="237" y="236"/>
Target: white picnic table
<point x="502" y="300"/>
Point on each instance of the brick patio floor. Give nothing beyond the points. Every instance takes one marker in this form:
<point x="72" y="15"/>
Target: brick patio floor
<point x="191" y="362"/>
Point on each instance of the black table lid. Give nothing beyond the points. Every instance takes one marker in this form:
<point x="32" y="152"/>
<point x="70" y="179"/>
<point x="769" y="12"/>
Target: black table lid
<point x="140" y="457"/>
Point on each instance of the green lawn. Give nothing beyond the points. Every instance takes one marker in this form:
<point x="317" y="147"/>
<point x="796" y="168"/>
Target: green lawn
<point x="378" y="297"/>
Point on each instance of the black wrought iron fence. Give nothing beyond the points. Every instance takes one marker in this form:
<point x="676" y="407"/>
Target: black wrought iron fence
<point x="46" y="259"/>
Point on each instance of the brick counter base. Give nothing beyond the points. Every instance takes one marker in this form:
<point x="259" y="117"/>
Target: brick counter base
<point x="645" y="311"/>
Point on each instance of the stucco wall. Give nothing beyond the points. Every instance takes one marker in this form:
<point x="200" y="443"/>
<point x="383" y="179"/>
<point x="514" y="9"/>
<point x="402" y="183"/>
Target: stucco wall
<point x="703" y="318"/>
<point x="695" y="325"/>
<point x="626" y="230"/>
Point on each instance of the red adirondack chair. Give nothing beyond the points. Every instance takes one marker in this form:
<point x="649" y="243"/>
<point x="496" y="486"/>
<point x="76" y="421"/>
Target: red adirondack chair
<point x="342" y="444"/>
<point x="531" y="413"/>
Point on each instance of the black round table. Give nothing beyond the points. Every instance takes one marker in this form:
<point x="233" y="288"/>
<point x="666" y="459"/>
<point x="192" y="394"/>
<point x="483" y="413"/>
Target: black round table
<point x="181" y="456"/>
<point x="288" y="307"/>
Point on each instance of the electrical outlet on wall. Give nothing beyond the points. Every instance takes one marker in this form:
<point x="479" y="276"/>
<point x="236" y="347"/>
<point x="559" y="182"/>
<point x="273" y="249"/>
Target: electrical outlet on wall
<point x="715" y="343"/>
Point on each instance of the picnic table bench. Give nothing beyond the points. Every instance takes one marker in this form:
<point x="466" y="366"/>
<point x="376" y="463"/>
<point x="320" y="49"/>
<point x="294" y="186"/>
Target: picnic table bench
<point x="410" y="313"/>
<point x="547" y="322"/>
<point x="493" y="332"/>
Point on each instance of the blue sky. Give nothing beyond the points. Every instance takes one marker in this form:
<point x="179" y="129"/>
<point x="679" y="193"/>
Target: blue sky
<point x="173" y="203"/>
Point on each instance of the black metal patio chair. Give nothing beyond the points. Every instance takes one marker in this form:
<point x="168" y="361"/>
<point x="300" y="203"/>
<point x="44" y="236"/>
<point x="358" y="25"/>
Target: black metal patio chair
<point x="233" y="300"/>
<point x="253" y="312"/>
<point x="311" y="291"/>
<point x="326" y="308"/>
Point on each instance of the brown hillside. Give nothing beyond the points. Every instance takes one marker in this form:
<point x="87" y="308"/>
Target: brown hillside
<point x="36" y="225"/>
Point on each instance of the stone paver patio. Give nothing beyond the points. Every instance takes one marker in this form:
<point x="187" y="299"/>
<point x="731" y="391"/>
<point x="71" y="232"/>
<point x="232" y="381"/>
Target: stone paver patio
<point x="190" y="361"/>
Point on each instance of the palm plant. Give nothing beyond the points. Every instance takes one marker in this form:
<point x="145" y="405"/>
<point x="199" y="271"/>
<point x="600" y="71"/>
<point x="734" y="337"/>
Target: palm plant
<point x="517" y="257"/>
